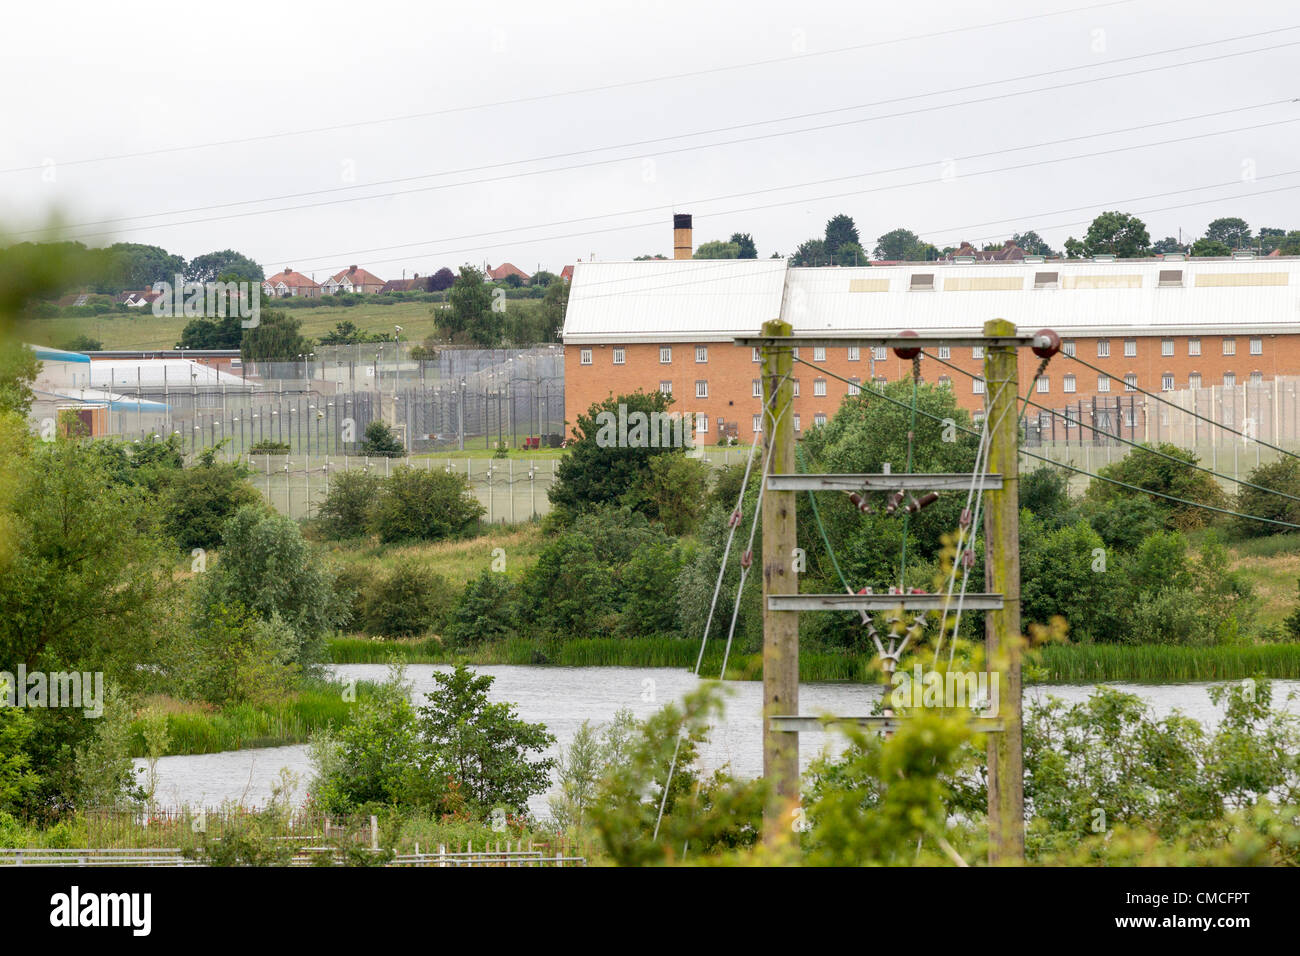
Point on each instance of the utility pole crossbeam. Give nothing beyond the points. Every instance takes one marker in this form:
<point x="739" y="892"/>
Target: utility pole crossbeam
<point x="876" y="722"/>
<point x="883" y="482"/>
<point x="880" y="602"/>
<point x="780" y="628"/>
<point x="1002" y="649"/>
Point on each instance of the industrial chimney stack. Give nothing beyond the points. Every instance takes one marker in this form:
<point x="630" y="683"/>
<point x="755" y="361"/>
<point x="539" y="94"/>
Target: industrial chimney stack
<point x="682" y="247"/>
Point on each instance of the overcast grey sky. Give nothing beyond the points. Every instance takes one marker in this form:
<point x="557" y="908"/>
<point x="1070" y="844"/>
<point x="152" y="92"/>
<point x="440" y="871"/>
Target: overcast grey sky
<point x="87" y="80"/>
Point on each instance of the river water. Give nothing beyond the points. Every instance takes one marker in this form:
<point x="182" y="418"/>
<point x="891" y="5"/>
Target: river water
<point x="563" y="697"/>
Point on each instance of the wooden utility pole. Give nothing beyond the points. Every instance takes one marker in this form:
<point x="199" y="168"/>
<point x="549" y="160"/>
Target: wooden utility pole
<point x="1002" y="575"/>
<point x="780" y="628"/>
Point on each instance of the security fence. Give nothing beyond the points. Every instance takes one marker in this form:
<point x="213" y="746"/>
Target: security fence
<point x="510" y="489"/>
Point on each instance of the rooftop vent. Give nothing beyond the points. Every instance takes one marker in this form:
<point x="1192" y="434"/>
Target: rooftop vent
<point x="963" y="260"/>
<point x="1243" y="254"/>
<point x="1175" y="257"/>
<point x="1034" y="259"/>
<point x="1104" y="257"/>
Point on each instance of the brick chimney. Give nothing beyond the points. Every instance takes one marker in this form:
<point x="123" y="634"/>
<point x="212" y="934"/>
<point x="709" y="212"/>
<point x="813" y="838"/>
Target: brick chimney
<point x="682" y="245"/>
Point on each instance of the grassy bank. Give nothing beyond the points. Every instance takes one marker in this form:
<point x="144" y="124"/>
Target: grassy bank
<point x="458" y="561"/>
<point x="201" y="729"/>
<point x="1068" y="664"/>
<point x="1089" y="663"/>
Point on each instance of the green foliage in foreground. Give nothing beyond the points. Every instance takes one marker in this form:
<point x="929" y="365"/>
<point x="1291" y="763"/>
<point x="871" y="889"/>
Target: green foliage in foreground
<point x="459" y="753"/>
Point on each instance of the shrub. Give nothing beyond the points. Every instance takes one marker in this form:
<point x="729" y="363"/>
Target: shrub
<point x="414" y="505"/>
<point x="1168" y="474"/>
<point x="345" y="512"/>
<point x="485" y="612"/>
<point x="1282" y="475"/>
<point x="201" y="499"/>
<point x="267" y="567"/>
<point x="380" y="442"/>
<point x="411" y="599"/>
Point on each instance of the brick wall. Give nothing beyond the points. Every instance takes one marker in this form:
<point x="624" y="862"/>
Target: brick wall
<point x="730" y="372"/>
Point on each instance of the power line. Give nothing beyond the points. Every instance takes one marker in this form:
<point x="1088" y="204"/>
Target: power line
<point x="807" y="199"/>
<point x="658" y="153"/>
<point x="877" y="172"/>
<point x="581" y="91"/>
<point x="450" y="172"/>
<point x="1029" y="454"/>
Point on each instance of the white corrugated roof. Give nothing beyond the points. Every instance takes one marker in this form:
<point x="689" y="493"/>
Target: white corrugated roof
<point x="174" y="373"/>
<point x="709" y="300"/>
<point x="672" y="300"/>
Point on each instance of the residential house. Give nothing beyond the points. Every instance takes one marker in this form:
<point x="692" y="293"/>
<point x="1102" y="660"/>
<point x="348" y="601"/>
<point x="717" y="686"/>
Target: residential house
<point x="353" y="279"/>
<point x="287" y="283"/>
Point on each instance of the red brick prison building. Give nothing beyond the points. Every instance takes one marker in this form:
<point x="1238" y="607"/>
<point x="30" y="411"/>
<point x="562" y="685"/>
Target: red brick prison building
<point x="1207" y="325"/>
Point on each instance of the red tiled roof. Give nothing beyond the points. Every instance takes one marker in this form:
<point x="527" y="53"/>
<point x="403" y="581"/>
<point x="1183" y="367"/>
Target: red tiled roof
<point x="506" y="269"/>
<point x="292" y="280"/>
<point x="357" y="276"/>
<point x="567" y="273"/>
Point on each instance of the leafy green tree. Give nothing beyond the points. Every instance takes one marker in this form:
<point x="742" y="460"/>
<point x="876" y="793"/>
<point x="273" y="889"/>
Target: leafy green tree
<point x="1167" y="474"/>
<point x="410" y="599"/>
<point x="745" y="244"/>
<point x="486" y="611"/>
<point x="375" y="760"/>
<point x="345" y="512"/>
<point x="1121" y="234"/>
<point x="484" y="747"/>
<point x="1046" y="492"/>
<point x="717" y="249"/>
<point x="1210" y="247"/>
<point x="222" y="333"/>
<point x="1232" y="231"/>
<point x="199" y="500"/>
<point x="1167" y="245"/>
<point x="710" y="814"/>
<point x="232" y="656"/>
<point x="226" y="265"/>
<point x="1270" y="238"/>
<point x="900" y="244"/>
<point x="811" y="253"/>
<point x="673" y="492"/>
<point x="18" y="778"/>
<point x="598" y="470"/>
<point x="1068" y="572"/>
<point x="554" y="304"/>
<point x="850" y="254"/>
<point x="1281" y="476"/>
<point x="276" y="338"/>
<point x="267" y="567"/>
<point x="841" y="230"/>
<point x="418" y="505"/>
<point x="380" y="442"/>
<point x="18" y="370"/>
<point x="131" y="265"/>
<point x="471" y="315"/>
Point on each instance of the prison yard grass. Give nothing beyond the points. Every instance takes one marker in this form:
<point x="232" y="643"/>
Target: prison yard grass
<point x="214" y="620"/>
